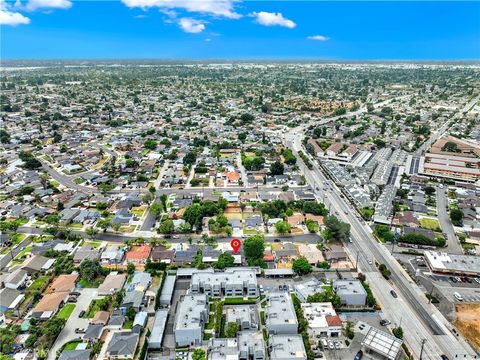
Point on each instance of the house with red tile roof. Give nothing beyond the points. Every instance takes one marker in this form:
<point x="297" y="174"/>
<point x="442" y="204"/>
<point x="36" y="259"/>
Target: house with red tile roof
<point x="138" y="255"/>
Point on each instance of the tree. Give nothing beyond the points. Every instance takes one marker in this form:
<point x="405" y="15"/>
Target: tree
<point x="254" y="247"/>
<point x="232" y="329"/>
<point x="429" y="190"/>
<point x="224" y="260"/>
<point x="130" y="313"/>
<point x="103" y="224"/>
<point x="150" y="144"/>
<point x="456" y="215"/>
<point x="130" y="268"/>
<point x="116" y="226"/>
<point x="242" y="136"/>
<point x="91" y="232"/>
<point x="301" y="266"/>
<point x="282" y="227"/>
<point x="198" y="354"/>
<point x="336" y="229"/>
<point x="156" y="209"/>
<point x="190" y="158"/>
<point x="398" y="332"/>
<point x="90" y="269"/>
<point x="276" y="168"/>
<point x="383" y="232"/>
<point x="166" y="227"/>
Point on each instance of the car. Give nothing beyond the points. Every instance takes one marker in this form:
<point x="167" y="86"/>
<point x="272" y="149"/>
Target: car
<point x="72" y="299"/>
<point x="324" y="343"/>
<point x="75" y="293"/>
<point x="444" y="357"/>
<point x="280" y="287"/>
<point x="81" y="313"/>
<point x="369" y="262"/>
<point x="337" y="345"/>
<point x="79" y="331"/>
<point x="285" y="287"/>
<point x="318" y="355"/>
<point x="359" y="355"/>
<point x="458" y="296"/>
<point x="176" y="236"/>
<point x="468" y="280"/>
<point x="276" y="240"/>
<point x="330" y="345"/>
<point x="393" y="293"/>
<point x="453" y="279"/>
<point x="385" y="322"/>
<point x="463" y="279"/>
<point x="477" y="280"/>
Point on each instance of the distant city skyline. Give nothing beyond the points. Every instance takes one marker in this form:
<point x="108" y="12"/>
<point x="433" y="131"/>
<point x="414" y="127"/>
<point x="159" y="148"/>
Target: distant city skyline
<point x="241" y="30"/>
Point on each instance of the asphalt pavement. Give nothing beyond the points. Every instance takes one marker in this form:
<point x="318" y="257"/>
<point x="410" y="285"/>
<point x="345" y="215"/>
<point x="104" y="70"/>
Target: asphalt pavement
<point x="454" y="246"/>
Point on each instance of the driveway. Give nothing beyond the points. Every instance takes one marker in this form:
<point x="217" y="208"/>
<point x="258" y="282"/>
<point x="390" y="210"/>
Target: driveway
<point x="73" y="322"/>
<point x="454" y="246"/>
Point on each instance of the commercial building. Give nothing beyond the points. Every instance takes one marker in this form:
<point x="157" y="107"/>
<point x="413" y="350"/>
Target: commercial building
<point x="450" y="167"/>
<point x="307" y="288"/>
<point x="249" y="345"/>
<point x="322" y="319"/>
<point x="382" y="344"/>
<point x="453" y="264"/>
<point x="287" y="347"/>
<point x="280" y="317"/>
<point x="351" y="292"/>
<point x="192" y="315"/>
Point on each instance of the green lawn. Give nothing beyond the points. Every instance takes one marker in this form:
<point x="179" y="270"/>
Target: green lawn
<point x="38" y="283"/>
<point x="128" y="325"/>
<point x="431" y="224"/>
<point x="72" y="345"/>
<point x="66" y="311"/>
<point x="94" y="284"/>
<point x="23" y="253"/>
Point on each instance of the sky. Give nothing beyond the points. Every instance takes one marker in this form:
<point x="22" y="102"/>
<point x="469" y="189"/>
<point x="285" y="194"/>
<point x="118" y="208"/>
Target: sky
<point x="235" y="29"/>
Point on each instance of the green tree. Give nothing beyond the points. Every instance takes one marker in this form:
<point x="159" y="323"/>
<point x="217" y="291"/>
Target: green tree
<point x="456" y="215"/>
<point x="336" y="229"/>
<point x="166" y="227"/>
<point x="232" y="329"/>
<point x="301" y="266"/>
<point x="282" y="227"/>
<point x="224" y="260"/>
<point x="199" y="354"/>
<point x="276" y="168"/>
<point x="130" y="268"/>
<point x="398" y="332"/>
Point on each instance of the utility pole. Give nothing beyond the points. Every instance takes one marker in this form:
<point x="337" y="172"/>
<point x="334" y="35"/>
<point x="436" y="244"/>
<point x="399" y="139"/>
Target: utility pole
<point x="421" y="351"/>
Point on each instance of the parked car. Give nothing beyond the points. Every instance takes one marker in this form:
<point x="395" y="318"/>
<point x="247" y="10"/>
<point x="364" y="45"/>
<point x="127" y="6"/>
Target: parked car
<point x="359" y="355"/>
<point x="72" y="299"/>
<point x="477" y="280"/>
<point x="79" y="331"/>
<point x="468" y="280"/>
<point x="276" y="240"/>
<point x="393" y="293"/>
<point x="324" y="343"/>
<point x="75" y="293"/>
<point x="337" y="345"/>
<point x="81" y="313"/>
<point x="444" y="357"/>
<point x="458" y="296"/>
<point x="330" y="345"/>
<point x="385" y="322"/>
<point x="453" y="279"/>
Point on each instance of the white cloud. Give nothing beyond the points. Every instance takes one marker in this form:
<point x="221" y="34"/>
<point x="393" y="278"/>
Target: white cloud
<point x="12" y="18"/>
<point x="273" y="19"/>
<point x="221" y="8"/>
<point x="191" y="25"/>
<point x="318" y="38"/>
<point x="48" y="4"/>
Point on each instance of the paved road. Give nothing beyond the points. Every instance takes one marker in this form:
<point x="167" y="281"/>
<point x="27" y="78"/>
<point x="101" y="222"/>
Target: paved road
<point x="454" y="246"/>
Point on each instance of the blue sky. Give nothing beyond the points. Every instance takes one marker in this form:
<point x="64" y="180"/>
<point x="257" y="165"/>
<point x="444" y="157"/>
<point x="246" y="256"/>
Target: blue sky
<point x="235" y="29"/>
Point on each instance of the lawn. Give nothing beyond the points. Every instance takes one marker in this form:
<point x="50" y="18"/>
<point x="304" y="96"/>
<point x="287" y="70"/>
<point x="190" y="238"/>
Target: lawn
<point x="23" y="253"/>
<point x="38" y="283"/>
<point x="76" y="226"/>
<point x="72" y="345"/>
<point x="94" y="284"/>
<point x="240" y="301"/>
<point x="431" y="224"/>
<point x="128" y="325"/>
<point x="66" y="311"/>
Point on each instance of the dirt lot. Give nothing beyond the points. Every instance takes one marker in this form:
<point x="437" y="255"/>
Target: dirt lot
<point x="468" y="322"/>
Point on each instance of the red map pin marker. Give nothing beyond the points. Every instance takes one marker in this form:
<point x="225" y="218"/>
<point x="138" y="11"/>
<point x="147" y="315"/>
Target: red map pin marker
<point x="235" y="244"/>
